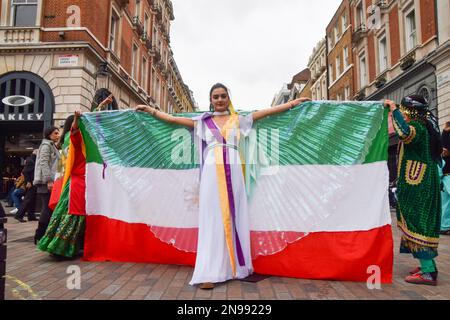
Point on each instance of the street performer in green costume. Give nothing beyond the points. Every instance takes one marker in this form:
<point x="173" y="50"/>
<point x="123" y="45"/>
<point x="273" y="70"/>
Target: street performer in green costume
<point x="418" y="188"/>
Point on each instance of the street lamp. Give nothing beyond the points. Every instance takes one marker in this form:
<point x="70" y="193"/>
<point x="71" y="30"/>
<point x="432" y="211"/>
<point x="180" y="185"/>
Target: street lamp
<point x="102" y="76"/>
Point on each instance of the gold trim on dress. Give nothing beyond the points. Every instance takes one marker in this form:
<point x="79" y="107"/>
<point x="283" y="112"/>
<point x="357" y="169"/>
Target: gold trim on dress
<point x="398" y="129"/>
<point x="400" y="158"/>
<point x="415" y="237"/>
<point x="415" y="171"/>
<point x="411" y="136"/>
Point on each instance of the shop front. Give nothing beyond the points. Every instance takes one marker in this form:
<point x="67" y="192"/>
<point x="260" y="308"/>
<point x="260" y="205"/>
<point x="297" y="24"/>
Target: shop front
<point x="26" y="109"/>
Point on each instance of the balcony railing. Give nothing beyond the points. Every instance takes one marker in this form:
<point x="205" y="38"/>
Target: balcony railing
<point x="157" y="56"/>
<point x="359" y="33"/>
<point x="383" y="4"/>
<point x="137" y="25"/>
<point x="407" y="61"/>
<point x="152" y="49"/>
<point x="361" y="95"/>
<point x="146" y="40"/>
<point x="158" y="11"/>
<point x="19" y="35"/>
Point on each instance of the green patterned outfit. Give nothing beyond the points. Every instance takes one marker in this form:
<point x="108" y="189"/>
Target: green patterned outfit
<point x="65" y="232"/>
<point x="418" y="191"/>
<point x="64" y="235"/>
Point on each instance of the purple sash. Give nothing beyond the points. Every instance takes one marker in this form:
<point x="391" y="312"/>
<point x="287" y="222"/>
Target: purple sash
<point x="226" y="157"/>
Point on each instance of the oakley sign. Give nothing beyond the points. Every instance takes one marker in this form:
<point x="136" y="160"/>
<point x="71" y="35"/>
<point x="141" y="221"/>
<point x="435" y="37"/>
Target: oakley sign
<point x="19" y="101"/>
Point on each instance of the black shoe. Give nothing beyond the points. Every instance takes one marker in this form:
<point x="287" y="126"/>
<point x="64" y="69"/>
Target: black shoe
<point x="33" y="219"/>
<point x="19" y="219"/>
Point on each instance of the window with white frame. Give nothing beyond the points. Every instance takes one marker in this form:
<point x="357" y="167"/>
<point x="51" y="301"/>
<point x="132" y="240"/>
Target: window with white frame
<point x="347" y="93"/>
<point x="360" y="21"/>
<point x="345" y="57"/>
<point x="382" y="54"/>
<point x="410" y="29"/>
<point x="144" y="73"/>
<point x="336" y="33"/>
<point x="146" y="24"/>
<point x="330" y="42"/>
<point x="157" y="91"/>
<point x="362" y="72"/>
<point x="137" y="11"/>
<point x="155" y="36"/>
<point x="23" y="13"/>
<point x="163" y="89"/>
<point x="113" y="33"/>
<point x="324" y="89"/>
<point x="331" y="72"/>
<point x="134" y="61"/>
<point x="338" y="66"/>
<point x="344" y="22"/>
<point x="153" y="84"/>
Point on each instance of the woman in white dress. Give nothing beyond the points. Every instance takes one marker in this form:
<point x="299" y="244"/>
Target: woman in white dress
<point x="223" y="250"/>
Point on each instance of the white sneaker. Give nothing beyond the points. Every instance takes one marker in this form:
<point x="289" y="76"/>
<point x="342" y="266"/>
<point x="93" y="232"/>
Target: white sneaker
<point x="14" y="211"/>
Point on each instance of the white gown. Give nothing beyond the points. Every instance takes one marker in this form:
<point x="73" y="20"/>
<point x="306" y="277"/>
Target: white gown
<point x="213" y="261"/>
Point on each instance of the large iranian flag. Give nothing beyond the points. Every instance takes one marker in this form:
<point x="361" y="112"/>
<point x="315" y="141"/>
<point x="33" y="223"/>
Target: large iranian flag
<point x="316" y="176"/>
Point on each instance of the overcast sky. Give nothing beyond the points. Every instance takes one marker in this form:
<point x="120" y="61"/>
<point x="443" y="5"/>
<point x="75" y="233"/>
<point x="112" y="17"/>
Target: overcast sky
<point x="252" y="46"/>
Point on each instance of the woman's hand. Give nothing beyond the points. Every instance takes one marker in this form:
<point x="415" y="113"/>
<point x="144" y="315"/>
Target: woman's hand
<point x="105" y="102"/>
<point x="145" y="108"/>
<point x="76" y="117"/>
<point x="390" y="104"/>
<point x="298" y="101"/>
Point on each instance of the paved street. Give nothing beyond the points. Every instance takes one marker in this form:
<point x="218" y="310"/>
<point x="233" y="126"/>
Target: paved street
<point x="32" y="274"/>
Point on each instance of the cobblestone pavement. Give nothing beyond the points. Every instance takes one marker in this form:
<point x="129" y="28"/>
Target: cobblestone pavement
<point x="32" y="274"/>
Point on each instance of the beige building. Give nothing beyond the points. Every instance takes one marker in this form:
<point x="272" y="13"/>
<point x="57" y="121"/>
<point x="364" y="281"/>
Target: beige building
<point x="392" y="57"/>
<point x="441" y="61"/>
<point x="339" y="58"/>
<point x="318" y="66"/>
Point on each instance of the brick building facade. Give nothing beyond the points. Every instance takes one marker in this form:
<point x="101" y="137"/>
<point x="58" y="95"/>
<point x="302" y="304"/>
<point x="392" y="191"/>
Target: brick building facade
<point x="59" y="53"/>
<point x="340" y="59"/>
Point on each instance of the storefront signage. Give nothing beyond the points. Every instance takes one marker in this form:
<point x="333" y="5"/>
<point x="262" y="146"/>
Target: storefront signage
<point x="22" y="117"/>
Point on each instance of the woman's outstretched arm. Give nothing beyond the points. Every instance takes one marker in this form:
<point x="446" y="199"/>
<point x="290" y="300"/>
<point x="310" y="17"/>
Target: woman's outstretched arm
<point x="187" y="122"/>
<point x="257" y="115"/>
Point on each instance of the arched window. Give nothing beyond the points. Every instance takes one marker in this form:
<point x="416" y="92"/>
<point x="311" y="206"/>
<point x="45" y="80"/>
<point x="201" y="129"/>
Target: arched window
<point x="425" y="92"/>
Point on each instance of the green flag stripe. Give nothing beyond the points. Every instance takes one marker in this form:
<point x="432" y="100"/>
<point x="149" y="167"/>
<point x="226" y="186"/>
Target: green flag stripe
<point x="314" y="133"/>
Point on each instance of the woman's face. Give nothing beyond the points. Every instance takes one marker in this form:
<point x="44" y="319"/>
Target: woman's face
<point x="220" y="100"/>
<point x="54" y="136"/>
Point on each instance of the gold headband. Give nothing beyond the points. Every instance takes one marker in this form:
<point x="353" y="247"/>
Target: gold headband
<point x="413" y="113"/>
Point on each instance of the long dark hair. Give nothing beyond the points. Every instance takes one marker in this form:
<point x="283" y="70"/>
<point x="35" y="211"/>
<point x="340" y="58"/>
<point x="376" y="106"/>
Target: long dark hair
<point x="214" y="87"/>
<point x="66" y="128"/>
<point x="49" y="131"/>
<point x="100" y="95"/>
<point x="420" y="105"/>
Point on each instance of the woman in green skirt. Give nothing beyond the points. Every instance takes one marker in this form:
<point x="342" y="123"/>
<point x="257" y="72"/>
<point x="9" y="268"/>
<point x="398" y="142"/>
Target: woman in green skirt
<point x="65" y="232"/>
<point x="418" y="187"/>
